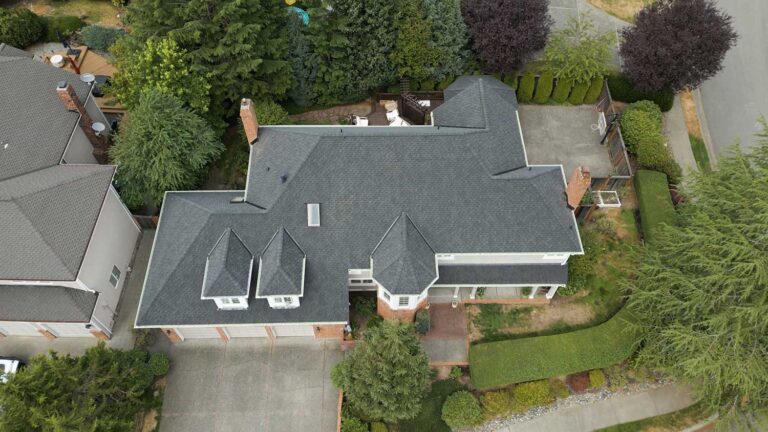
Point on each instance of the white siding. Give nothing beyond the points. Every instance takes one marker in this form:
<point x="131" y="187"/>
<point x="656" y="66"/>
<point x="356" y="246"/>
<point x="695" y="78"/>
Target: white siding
<point x="95" y="113"/>
<point x="461" y="259"/>
<point x="17" y="328"/>
<point x="293" y="330"/>
<point x="112" y="244"/>
<point x="198" y="332"/>
<point x="246" y="331"/>
<point x="79" y="150"/>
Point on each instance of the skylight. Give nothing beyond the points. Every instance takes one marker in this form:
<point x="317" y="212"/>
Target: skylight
<point x="313" y="215"/>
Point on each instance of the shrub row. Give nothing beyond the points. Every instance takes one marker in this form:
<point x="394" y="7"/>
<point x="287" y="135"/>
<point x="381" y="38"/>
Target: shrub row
<point x="622" y="89"/>
<point x="546" y="88"/>
<point x="641" y="125"/>
<point x="654" y="201"/>
<point x="508" y="362"/>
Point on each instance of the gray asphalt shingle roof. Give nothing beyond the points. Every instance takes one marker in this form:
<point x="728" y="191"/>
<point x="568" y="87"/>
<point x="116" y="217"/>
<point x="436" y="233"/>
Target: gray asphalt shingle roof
<point x="46" y="220"/>
<point x="363" y="178"/>
<point x="533" y="274"/>
<point x="404" y="262"/>
<point x="34" y="127"/>
<point x="228" y="267"/>
<point x="10" y="51"/>
<point x="281" y="270"/>
<point x="45" y="303"/>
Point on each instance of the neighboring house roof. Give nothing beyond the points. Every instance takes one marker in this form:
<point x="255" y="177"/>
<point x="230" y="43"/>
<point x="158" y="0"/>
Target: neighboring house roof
<point x="468" y="189"/>
<point x="522" y="274"/>
<point x="46" y="220"/>
<point x="282" y="266"/>
<point x="10" y="51"/>
<point x="35" y="127"/>
<point x="46" y="303"/>
<point x="228" y="267"/>
<point x="404" y="262"/>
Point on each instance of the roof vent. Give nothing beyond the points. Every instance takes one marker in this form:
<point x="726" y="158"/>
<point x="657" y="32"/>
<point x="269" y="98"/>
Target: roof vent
<point x="283" y="178"/>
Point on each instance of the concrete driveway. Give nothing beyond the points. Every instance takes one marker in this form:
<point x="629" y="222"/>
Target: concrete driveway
<point x="251" y="385"/>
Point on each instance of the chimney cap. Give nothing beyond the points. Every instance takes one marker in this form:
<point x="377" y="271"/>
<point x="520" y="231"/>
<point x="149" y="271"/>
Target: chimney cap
<point x="62" y="84"/>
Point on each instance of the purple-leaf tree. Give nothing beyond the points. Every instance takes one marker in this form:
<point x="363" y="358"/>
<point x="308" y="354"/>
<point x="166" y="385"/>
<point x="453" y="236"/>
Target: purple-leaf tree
<point x="676" y="44"/>
<point x="504" y="34"/>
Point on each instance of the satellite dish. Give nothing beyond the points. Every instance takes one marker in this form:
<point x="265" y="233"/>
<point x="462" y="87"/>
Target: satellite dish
<point x="57" y="60"/>
<point x="98" y="128"/>
<point x="87" y="78"/>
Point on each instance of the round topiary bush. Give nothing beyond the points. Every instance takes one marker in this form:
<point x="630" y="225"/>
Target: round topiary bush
<point x="649" y="107"/>
<point x="636" y="126"/>
<point x="595" y="88"/>
<point x="461" y="409"/>
<point x="496" y="403"/>
<point x="544" y="88"/>
<point x="20" y="27"/>
<point x="578" y="93"/>
<point x="100" y="38"/>
<point x="532" y="393"/>
<point x="525" y="90"/>
<point x="159" y="363"/>
<point x="562" y="90"/>
<point x="596" y="378"/>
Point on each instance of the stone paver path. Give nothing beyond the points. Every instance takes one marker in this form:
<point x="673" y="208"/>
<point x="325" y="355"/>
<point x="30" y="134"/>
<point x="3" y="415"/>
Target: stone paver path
<point x="614" y="410"/>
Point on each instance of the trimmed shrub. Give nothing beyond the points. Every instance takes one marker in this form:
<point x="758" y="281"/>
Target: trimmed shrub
<point x="653" y="154"/>
<point x="616" y="377"/>
<point x="596" y="378"/>
<point x="525" y="90"/>
<point x="352" y="424"/>
<point x="595" y="87"/>
<point x="562" y="90"/>
<point x="64" y="25"/>
<point x="578" y="93"/>
<point x="100" y="38"/>
<point x="496" y="403"/>
<point x="511" y="80"/>
<point x="427" y="85"/>
<point x="379" y="427"/>
<point x="636" y="126"/>
<point x="622" y="89"/>
<point x="654" y="201"/>
<point x="650" y="108"/>
<point x="159" y="363"/>
<point x="422" y="322"/>
<point x="461" y="409"/>
<point x="455" y="372"/>
<point x="558" y="389"/>
<point x="442" y="85"/>
<point x="20" y="27"/>
<point x="579" y="383"/>
<point x="544" y="88"/>
<point x="534" y="393"/>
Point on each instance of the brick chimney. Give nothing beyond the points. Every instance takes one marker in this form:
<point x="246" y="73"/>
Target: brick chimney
<point x="71" y="102"/>
<point x="578" y="185"/>
<point x="250" y="122"/>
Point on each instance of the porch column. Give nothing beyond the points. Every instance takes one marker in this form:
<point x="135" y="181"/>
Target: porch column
<point x="534" y="290"/>
<point x="551" y="292"/>
<point x="473" y="293"/>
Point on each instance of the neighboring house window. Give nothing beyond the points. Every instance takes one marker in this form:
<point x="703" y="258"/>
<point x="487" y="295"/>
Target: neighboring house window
<point x="386" y="295"/>
<point x="114" y="277"/>
<point x="404" y="300"/>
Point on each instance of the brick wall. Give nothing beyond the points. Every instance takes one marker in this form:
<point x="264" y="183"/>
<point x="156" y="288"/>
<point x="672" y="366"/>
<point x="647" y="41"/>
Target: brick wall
<point x="329" y="331"/>
<point x="408" y="315"/>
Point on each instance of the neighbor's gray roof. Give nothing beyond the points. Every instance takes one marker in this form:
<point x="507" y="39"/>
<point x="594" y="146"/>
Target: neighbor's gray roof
<point x="533" y="274"/>
<point x="404" y="262"/>
<point x="34" y="124"/>
<point x="228" y="267"/>
<point x="45" y="303"/>
<point x="46" y="220"/>
<point x="281" y="269"/>
<point x="363" y="177"/>
<point x="10" y="51"/>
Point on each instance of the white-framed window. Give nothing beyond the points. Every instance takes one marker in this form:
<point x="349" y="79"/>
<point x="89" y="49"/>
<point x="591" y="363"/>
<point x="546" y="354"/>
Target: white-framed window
<point x="114" y="277"/>
<point x="235" y="301"/>
<point x="386" y="295"/>
<point x="288" y="300"/>
<point x="313" y="214"/>
<point x="277" y="300"/>
<point x="403" y="301"/>
<point x="361" y="281"/>
<point x="226" y="301"/>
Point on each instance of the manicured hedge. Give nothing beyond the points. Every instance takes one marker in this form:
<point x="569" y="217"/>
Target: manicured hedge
<point x="511" y="80"/>
<point x="623" y="90"/>
<point x="562" y="90"/>
<point x="508" y="362"/>
<point x="595" y="87"/>
<point x="578" y="93"/>
<point x="525" y="91"/>
<point x="544" y="88"/>
<point x="654" y="201"/>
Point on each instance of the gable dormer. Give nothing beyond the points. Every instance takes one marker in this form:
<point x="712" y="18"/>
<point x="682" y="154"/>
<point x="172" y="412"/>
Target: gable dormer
<point x="227" y="275"/>
<point x="282" y="267"/>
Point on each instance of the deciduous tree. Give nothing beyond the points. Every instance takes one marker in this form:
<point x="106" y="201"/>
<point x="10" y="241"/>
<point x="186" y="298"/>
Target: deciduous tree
<point x="504" y="34"/>
<point x="676" y="44"/>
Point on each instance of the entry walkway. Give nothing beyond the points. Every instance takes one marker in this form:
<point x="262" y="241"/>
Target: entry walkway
<point x="614" y="410"/>
<point x="446" y="342"/>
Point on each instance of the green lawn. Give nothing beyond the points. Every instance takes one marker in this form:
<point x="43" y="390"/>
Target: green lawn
<point x="654" y="201"/>
<point x="431" y="409"/>
<point x="673" y="421"/>
<point x="700" y="153"/>
<point x="508" y="362"/>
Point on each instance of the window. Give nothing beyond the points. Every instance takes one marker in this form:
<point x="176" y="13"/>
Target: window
<point x="288" y="300"/>
<point x="361" y="281"/>
<point x="313" y="215"/>
<point x="386" y="295"/>
<point x="277" y="300"/>
<point x="226" y="301"/>
<point x="356" y="281"/>
<point x="235" y="300"/>
<point x="404" y="300"/>
<point x="114" y="277"/>
<point x="367" y="281"/>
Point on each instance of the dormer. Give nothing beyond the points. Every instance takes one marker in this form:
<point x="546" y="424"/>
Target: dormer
<point x="282" y="267"/>
<point x="228" y="268"/>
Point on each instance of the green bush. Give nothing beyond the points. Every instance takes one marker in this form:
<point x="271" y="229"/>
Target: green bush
<point x="534" y="393"/>
<point x="422" y="322"/>
<point x="427" y="86"/>
<point x="431" y="407"/>
<point x="649" y="107"/>
<point x="159" y="363"/>
<point x="578" y="93"/>
<point x="596" y="378"/>
<point x="654" y="202"/>
<point x="558" y="389"/>
<point x="496" y="403"/>
<point x="442" y="85"/>
<point x="64" y="25"/>
<point x="511" y="80"/>
<point x="562" y="90"/>
<point x="350" y="423"/>
<point x="544" y="88"/>
<point x="636" y="126"/>
<point x="653" y="154"/>
<point x="20" y="27"/>
<point x="525" y="90"/>
<point x="595" y="88"/>
<point x="580" y="267"/>
<point x="616" y="377"/>
<point x="100" y="38"/>
<point x="455" y="372"/>
<point x="507" y="362"/>
<point x="461" y="409"/>
<point x="623" y="90"/>
<point x="379" y="427"/>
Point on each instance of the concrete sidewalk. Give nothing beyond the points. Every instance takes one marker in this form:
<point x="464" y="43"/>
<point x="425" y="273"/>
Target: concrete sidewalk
<point x="614" y="410"/>
<point x="676" y="133"/>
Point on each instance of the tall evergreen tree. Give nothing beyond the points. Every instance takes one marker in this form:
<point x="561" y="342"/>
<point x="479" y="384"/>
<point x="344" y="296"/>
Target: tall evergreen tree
<point x="702" y="289"/>
<point x="450" y="36"/>
<point x="304" y="65"/>
<point x="414" y="56"/>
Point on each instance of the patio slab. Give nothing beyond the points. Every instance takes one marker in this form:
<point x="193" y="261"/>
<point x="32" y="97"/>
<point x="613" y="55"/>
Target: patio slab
<point x="447" y="322"/>
<point x="446" y="352"/>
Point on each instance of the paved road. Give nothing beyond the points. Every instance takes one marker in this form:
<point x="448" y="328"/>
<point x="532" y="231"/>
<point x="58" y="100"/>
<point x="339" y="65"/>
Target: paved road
<point x="734" y="98"/>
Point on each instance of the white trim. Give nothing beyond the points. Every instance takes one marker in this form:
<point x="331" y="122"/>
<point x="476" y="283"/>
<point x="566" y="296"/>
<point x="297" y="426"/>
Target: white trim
<point x="522" y="140"/>
<point x="69" y="141"/>
<point x="122" y="204"/>
<point x="149" y="264"/>
<point x="175" y="326"/>
<point x="481" y="285"/>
